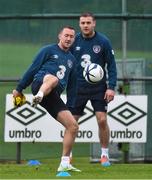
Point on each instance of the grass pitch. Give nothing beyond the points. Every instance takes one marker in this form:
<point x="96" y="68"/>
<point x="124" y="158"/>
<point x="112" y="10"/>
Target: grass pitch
<point x="48" y="167"/>
<point x="20" y="56"/>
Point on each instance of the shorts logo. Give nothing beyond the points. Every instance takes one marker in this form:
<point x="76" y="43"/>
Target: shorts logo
<point x="96" y="49"/>
<point x="126" y="113"/>
<point x="26" y="114"/>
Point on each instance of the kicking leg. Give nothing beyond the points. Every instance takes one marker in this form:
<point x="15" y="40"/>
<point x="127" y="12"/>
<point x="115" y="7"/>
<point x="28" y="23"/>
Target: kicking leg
<point x="49" y="82"/>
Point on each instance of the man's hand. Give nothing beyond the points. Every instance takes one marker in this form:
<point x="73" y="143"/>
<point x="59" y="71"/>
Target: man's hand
<point x="109" y="95"/>
<point x="18" y="98"/>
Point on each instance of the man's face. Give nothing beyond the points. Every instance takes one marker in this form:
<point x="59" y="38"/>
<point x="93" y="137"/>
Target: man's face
<point x="87" y="25"/>
<point x="66" y="38"/>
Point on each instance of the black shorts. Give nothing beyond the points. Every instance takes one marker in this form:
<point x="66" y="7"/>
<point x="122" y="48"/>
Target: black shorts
<point x="97" y="101"/>
<point x="52" y="102"/>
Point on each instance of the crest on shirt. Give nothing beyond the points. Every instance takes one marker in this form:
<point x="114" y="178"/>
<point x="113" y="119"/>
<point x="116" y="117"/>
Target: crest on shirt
<point x="69" y="62"/>
<point x="96" y="49"/>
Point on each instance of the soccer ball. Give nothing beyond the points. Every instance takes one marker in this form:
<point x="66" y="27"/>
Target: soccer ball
<point x="93" y="73"/>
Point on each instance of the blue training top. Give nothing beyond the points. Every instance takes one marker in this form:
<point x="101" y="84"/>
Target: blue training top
<point x="53" y="60"/>
<point x="95" y="50"/>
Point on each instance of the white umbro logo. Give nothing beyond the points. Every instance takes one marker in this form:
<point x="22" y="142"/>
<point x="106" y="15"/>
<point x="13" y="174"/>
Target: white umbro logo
<point x="55" y="56"/>
<point x="78" y="48"/>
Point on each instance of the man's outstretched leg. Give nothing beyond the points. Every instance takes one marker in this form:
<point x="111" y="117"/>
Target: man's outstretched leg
<point x="49" y="82"/>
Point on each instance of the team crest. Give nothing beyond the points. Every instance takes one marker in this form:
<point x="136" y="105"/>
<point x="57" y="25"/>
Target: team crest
<point x="96" y="49"/>
<point x="69" y="62"/>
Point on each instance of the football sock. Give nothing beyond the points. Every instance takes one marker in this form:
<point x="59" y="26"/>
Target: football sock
<point x="40" y="94"/>
<point x="65" y="161"/>
<point x="105" y="152"/>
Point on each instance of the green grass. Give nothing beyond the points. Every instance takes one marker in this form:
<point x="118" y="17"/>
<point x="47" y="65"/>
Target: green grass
<point x="47" y="170"/>
<point x="134" y="54"/>
<point x="15" y="58"/>
<point x="41" y="150"/>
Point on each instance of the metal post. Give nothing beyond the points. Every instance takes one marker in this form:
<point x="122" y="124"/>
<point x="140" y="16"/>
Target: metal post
<point x="124" y="146"/>
<point x="124" y="39"/>
<point x="18" y="153"/>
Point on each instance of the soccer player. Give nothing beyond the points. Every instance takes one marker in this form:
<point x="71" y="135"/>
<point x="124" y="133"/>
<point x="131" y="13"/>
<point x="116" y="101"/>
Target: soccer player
<point x="93" y="47"/>
<point x="53" y="70"/>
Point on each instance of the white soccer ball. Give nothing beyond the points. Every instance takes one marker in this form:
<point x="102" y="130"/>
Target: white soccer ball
<point x="93" y="73"/>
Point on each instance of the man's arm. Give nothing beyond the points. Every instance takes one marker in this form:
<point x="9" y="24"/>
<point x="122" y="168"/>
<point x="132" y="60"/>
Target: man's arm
<point x="111" y="66"/>
<point x="32" y="70"/>
<point x="112" y="72"/>
<point x="18" y="97"/>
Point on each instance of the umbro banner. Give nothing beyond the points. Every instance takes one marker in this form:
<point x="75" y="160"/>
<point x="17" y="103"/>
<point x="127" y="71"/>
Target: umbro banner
<point x="127" y="119"/>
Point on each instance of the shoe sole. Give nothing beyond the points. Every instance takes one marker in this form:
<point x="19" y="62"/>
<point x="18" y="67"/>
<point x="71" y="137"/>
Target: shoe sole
<point x="73" y="170"/>
<point x="69" y="170"/>
<point x="36" y="101"/>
